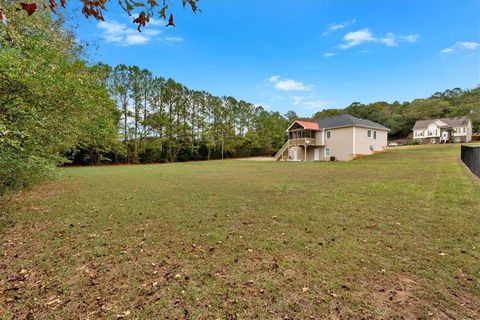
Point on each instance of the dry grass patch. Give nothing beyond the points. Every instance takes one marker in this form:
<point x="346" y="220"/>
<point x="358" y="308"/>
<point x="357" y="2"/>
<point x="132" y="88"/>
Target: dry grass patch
<point x="394" y="235"/>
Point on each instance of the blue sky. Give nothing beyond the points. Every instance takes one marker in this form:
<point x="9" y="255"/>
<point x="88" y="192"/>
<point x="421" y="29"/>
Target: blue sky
<point x="303" y="55"/>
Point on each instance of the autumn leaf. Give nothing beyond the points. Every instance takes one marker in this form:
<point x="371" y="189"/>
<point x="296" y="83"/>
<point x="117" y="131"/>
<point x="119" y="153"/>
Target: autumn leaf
<point x="170" y="21"/>
<point x="162" y="12"/>
<point x="51" y="5"/>
<point x="3" y="17"/>
<point x="138" y="4"/>
<point x="192" y="3"/>
<point x="30" y="8"/>
<point x="142" y="20"/>
<point x="92" y="8"/>
<point x="129" y="7"/>
<point x="152" y="3"/>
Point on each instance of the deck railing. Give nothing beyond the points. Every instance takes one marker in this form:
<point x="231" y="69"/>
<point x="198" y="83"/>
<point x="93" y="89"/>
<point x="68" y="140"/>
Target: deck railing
<point x="303" y="141"/>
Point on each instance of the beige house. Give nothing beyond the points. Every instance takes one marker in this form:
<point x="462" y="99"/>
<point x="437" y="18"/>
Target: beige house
<point x="443" y="130"/>
<point x="341" y="137"/>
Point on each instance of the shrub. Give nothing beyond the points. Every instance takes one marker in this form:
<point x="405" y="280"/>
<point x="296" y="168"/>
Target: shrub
<point x="413" y="142"/>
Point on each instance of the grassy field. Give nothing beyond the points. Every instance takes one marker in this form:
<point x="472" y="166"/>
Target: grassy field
<point x="395" y="235"/>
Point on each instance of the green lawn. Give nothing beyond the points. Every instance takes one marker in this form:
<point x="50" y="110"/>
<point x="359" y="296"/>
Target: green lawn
<point x="395" y="235"/>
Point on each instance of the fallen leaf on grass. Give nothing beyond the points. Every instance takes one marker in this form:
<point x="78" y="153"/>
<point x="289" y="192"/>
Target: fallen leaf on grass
<point x="126" y="313"/>
<point x="53" y="301"/>
<point x="289" y="273"/>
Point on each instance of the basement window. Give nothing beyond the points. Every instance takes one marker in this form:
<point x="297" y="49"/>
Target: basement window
<point x="327" y="152"/>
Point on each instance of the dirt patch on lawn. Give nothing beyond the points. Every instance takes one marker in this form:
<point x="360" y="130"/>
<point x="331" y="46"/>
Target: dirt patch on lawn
<point x="397" y="295"/>
<point x="404" y="296"/>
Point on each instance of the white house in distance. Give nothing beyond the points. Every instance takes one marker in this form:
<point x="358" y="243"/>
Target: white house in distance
<point x="341" y="137"/>
<point x="458" y="129"/>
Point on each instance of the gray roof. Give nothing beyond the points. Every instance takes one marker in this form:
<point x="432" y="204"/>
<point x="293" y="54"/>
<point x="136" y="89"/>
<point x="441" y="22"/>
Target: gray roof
<point x="346" y="120"/>
<point x="457" y="121"/>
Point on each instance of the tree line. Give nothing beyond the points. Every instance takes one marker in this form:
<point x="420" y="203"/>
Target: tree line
<point x="401" y="117"/>
<point x="161" y="120"/>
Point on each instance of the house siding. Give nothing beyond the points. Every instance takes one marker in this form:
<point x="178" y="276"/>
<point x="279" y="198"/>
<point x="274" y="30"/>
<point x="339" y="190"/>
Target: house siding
<point x="462" y="134"/>
<point x="301" y="153"/>
<point x="340" y="144"/>
<point x="363" y="142"/>
<point x="348" y="138"/>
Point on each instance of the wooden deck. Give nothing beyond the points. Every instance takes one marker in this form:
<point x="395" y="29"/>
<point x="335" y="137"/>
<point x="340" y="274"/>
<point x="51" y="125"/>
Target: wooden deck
<point x="303" y="141"/>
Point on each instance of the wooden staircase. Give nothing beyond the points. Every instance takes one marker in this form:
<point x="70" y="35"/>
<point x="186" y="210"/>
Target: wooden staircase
<point x="280" y="155"/>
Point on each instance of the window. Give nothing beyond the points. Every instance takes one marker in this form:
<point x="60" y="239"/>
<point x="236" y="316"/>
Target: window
<point x="419" y="133"/>
<point x="327" y="152"/>
<point x="369" y="133"/>
<point x="374" y="134"/>
<point x="329" y="135"/>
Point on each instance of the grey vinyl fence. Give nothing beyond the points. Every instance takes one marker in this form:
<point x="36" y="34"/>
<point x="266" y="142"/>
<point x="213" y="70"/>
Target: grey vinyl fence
<point x="471" y="157"/>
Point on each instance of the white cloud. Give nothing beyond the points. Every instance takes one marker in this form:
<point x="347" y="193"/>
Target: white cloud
<point x="174" y="39"/>
<point x="470" y="45"/>
<point x="291" y="85"/>
<point x="274" y="78"/>
<point x="447" y="50"/>
<point x="359" y="37"/>
<point x="310" y="103"/>
<point x="392" y="39"/>
<point x="337" y="26"/>
<point x="119" y="33"/>
<point x="329" y="54"/>
<point x="389" y="40"/>
<point x="410" y="37"/>
<point x="355" y="38"/>
<point x="461" y="45"/>
<point x="156" y="22"/>
<point x="288" y="84"/>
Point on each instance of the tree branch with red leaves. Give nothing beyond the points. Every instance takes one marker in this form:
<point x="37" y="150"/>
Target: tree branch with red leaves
<point x="96" y="8"/>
